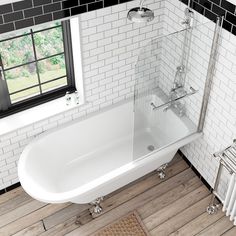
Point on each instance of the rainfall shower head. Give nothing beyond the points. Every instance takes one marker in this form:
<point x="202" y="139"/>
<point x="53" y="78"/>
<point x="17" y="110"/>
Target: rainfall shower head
<point x="140" y="14"/>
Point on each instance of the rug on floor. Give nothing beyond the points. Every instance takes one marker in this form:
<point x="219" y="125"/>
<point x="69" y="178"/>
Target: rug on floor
<point x="129" y="225"/>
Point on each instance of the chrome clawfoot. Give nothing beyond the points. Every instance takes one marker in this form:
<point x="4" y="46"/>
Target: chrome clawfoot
<point x="213" y="206"/>
<point x="212" y="209"/>
<point x="96" y="209"/>
<point x="161" y="171"/>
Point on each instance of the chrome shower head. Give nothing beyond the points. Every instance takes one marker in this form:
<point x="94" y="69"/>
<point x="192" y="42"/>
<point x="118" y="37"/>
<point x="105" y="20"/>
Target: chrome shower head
<point x="140" y="14"/>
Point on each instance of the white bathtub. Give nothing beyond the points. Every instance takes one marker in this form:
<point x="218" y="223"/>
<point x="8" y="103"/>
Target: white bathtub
<point x="90" y="158"/>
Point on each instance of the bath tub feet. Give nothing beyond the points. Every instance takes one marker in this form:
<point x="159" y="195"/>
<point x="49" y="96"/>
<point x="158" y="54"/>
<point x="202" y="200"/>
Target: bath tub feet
<point x="96" y="207"/>
<point x="161" y="171"/>
<point x="214" y="205"/>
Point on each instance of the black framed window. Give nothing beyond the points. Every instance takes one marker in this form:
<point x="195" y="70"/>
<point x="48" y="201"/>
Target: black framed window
<point x="35" y="66"/>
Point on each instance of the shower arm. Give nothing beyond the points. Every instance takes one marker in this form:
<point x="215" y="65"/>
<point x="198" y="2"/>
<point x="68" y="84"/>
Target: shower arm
<point x="141" y="4"/>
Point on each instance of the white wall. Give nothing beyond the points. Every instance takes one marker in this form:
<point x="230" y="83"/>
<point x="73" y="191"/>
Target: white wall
<point x="220" y="124"/>
<point x="200" y="39"/>
<point x="110" y="45"/>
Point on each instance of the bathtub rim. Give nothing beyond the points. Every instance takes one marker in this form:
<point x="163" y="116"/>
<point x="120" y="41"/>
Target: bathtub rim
<point x="79" y="119"/>
<point x="61" y="197"/>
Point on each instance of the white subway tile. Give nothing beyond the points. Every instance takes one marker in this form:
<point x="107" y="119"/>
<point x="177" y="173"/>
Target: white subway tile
<point x="88" y="16"/>
<point x="95" y="37"/>
<point x="8" y="136"/>
<point x="18" y="138"/>
<point x="89" y="31"/>
<point x="104" y="12"/>
<point x="104" y="27"/>
<point x="105" y="55"/>
<point x="5" y="143"/>
<point x="10" y="147"/>
<point x="95" y="22"/>
<point x="111" y="17"/>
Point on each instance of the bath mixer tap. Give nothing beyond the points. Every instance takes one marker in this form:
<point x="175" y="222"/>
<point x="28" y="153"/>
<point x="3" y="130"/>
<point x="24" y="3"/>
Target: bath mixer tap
<point x="179" y="108"/>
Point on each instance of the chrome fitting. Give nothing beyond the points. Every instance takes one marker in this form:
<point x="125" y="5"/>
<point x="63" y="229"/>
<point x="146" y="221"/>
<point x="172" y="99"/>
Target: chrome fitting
<point x="161" y="171"/>
<point x="96" y="207"/>
<point x="212" y="209"/>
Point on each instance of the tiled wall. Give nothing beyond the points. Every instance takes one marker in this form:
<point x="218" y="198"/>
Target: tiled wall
<point x="212" y="8"/>
<point x="196" y="58"/>
<point x="220" y="123"/>
<point x="114" y="82"/>
<point x="110" y="45"/>
<point x="33" y="12"/>
<point x="27" y="13"/>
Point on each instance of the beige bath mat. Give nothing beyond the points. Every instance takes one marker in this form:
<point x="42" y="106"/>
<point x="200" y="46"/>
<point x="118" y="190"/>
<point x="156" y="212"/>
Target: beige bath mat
<point x="129" y="225"/>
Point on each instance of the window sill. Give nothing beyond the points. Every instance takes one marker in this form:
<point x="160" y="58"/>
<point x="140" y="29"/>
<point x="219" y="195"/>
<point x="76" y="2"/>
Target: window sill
<point x="27" y="117"/>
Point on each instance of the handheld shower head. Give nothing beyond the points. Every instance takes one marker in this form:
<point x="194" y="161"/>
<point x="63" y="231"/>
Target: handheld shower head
<point x="140" y="14"/>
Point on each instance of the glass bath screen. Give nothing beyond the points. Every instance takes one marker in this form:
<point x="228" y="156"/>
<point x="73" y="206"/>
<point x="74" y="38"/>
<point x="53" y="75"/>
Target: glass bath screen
<point x="170" y="76"/>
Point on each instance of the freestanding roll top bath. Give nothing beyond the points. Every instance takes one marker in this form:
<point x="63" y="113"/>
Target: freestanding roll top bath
<point x="91" y="158"/>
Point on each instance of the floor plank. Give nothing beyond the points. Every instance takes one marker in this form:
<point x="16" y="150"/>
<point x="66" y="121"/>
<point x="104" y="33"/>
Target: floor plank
<point x="11" y="194"/>
<point x="198" y="224"/>
<point x="230" y="232"/>
<point x="32" y="230"/>
<point x="61" y="229"/>
<point x="30" y="219"/>
<point x="173" y="206"/>
<point x="63" y="215"/>
<point x="20" y="212"/>
<point x="217" y="228"/>
<point x="181" y="219"/>
<point x="169" y="197"/>
<point x="15" y="202"/>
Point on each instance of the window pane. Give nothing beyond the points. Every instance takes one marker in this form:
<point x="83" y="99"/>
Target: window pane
<point x="48" y="42"/>
<point x="52" y="68"/>
<point x="16" y="51"/>
<point x="14" y="34"/>
<point x="54" y="84"/>
<point x="25" y="94"/>
<point x="21" y="77"/>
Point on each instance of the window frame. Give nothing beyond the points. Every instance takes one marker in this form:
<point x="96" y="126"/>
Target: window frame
<point x="51" y="94"/>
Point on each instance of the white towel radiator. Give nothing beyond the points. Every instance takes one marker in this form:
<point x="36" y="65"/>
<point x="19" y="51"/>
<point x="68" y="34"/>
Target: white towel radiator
<point x="228" y="161"/>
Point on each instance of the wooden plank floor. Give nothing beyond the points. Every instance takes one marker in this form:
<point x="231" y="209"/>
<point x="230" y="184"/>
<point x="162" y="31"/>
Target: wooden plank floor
<point x="173" y="206"/>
